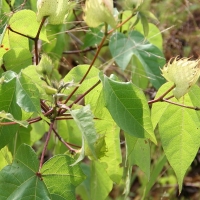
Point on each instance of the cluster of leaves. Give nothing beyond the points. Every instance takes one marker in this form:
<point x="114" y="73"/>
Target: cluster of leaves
<point x="85" y="109"/>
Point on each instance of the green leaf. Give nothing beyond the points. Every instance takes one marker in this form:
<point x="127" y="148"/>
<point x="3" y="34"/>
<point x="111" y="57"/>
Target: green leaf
<point x="93" y="37"/>
<point x="45" y="66"/>
<point x="98" y="12"/>
<point x="17" y="59"/>
<point x="112" y="156"/>
<point x="138" y="153"/>
<point x="144" y="22"/>
<point x="5" y="157"/>
<point x="20" y="22"/>
<point x="155" y="174"/>
<point x="56" y="11"/>
<point x="159" y="108"/>
<point x="8" y="116"/>
<point x="27" y="94"/>
<point x="10" y="40"/>
<point x="84" y="120"/>
<point x="8" y="104"/>
<point x="77" y="73"/>
<point x="179" y="132"/>
<point x="123" y="48"/>
<point x="100" y="183"/>
<point x="61" y="178"/>
<point x="84" y="189"/>
<point x="154" y="36"/>
<point x="19" y="180"/>
<point x="128" y="107"/>
<point x="22" y="136"/>
<point x="31" y="73"/>
<point x="139" y="77"/>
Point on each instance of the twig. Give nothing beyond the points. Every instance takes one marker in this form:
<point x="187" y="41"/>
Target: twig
<point x="91" y="64"/>
<point x="66" y="143"/>
<point x="162" y="96"/>
<point x="45" y="144"/>
<point x="36" y="40"/>
<point x="9" y="28"/>
<point x="9" y="4"/>
<point x="85" y="93"/>
<point x="84" y="50"/>
<point x="181" y="105"/>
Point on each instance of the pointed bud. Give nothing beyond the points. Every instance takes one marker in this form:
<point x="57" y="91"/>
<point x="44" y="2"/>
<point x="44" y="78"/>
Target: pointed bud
<point x="183" y="73"/>
<point x="98" y="12"/>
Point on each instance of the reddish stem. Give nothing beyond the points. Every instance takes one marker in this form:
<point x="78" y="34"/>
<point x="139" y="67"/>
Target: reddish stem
<point x="45" y="144"/>
<point x="162" y="96"/>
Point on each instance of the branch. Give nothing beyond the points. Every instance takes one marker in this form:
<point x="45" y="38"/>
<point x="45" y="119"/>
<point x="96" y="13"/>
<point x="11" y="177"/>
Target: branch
<point x="66" y="143"/>
<point x="36" y="40"/>
<point x="181" y="105"/>
<point x="45" y="145"/>
<point x="162" y="96"/>
<point x="84" y="50"/>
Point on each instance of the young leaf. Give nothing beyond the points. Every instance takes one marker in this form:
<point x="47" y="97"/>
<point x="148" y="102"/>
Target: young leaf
<point x="19" y="180"/>
<point x="45" y="66"/>
<point x="84" y="120"/>
<point x="34" y="77"/>
<point x="179" y="132"/>
<point x="128" y="107"/>
<point x="27" y="94"/>
<point x="8" y="116"/>
<point x="61" y="178"/>
<point x="123" y="47"/>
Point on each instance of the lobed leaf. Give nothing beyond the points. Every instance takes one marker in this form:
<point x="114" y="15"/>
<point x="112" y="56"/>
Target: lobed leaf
<point x="61" y="178"/>
<point x="123" y="47"/>
<point x="19" y="180"/>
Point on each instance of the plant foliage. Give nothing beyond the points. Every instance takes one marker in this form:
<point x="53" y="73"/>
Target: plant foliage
<point x="80" y="133"/>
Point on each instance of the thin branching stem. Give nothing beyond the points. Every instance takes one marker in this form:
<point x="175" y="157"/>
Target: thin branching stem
<point x="36" y="40"/>
<point x="68" y="145"/>
<point x="45" y="144"/>
<point x="84" y="50"/>
<point x="181" y="105"/>
<point x="162" y="96"/>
